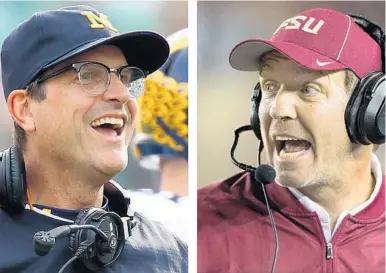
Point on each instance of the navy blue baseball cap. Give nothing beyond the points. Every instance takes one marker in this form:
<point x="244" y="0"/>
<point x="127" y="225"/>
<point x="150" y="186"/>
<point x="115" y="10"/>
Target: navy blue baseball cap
<point x="51" y="37"/>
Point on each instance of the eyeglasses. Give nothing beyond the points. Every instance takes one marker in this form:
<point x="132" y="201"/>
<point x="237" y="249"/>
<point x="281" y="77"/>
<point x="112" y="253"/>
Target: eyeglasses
<point x="95" y="77"/>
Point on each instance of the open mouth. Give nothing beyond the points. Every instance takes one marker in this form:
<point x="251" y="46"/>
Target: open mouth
<point x="289" y="147"/>
<point x="110" y="126"/>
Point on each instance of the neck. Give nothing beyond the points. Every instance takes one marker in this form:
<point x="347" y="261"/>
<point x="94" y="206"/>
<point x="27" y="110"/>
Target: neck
<point x="174" y="176"/>
<point x="51" y="185"/>
<point x="345" y="192"/>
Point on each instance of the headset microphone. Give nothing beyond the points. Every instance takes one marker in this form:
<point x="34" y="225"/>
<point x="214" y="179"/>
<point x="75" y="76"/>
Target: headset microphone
<point x="264" y="174"/>
<point x="44" y="240"/>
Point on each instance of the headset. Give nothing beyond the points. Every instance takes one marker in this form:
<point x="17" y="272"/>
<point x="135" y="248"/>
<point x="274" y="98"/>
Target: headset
<point x="97" y="237"/>
<point x="365" y="112"/>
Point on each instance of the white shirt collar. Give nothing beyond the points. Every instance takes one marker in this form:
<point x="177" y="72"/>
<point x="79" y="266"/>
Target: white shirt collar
<point x="376" y="170"/>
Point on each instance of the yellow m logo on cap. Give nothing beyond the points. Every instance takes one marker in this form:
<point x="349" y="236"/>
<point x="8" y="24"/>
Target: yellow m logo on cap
<point x="100" y="21"/>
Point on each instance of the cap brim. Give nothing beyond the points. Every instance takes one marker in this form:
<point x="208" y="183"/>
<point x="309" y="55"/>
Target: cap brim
<point x="246" y="55"/>
<point x="144" y="49"/>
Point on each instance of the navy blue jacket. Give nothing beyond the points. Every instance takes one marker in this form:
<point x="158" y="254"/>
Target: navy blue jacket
<point x="150" y="249"/>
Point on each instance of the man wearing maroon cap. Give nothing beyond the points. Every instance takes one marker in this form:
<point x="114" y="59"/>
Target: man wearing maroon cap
<point x="318" y="109"/>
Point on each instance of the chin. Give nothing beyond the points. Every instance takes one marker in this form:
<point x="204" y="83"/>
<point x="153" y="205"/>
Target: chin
<point x="112" y="164"/>
<point x="291" y="181"/>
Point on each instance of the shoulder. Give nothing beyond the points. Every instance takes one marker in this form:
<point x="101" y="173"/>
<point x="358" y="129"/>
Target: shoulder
<point x="145" y="202"/>
<point x="221" y="191"/>
<point x="150" y="242"/>
<point x="161" y="207"/>
<point x="148" y="234"/>
<point x="218" y="203"/>
<point x="221" y="186"/>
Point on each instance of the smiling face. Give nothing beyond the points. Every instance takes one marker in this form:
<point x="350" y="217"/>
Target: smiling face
<point x="71" y="124"/>
<point x="302" y="122"/>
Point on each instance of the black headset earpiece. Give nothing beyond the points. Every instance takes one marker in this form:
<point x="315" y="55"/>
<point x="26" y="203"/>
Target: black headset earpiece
<point x="254" y="117"/>
<point x="13" y="189"/>
<point x="97" y="238"/>
<point x="103" y="253"/>
<point x="365" y="112"/>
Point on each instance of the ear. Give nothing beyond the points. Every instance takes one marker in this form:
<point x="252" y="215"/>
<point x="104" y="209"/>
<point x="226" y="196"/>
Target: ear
<point x="19" y="106"/>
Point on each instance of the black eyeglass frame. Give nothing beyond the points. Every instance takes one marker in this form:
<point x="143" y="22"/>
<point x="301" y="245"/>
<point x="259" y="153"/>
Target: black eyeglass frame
<point x="78" y="65"/>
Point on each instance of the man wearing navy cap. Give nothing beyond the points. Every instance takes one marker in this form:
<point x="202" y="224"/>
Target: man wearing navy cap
<point x="318" y="109"/>
<point x="71" y="83"/>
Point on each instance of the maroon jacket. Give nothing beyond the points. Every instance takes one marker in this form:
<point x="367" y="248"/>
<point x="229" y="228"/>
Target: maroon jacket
<point x="235" y="233"/>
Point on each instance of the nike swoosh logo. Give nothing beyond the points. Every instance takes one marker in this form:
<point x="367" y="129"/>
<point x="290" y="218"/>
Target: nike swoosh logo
<point x="319" y="63"/>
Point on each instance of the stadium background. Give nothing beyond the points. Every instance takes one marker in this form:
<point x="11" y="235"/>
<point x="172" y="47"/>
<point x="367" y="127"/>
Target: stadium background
<point x="163" y="17"/>
<point x="223" y="101"/>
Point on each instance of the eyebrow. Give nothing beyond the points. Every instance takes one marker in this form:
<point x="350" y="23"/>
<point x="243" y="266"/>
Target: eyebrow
<point x="298" y="70"/>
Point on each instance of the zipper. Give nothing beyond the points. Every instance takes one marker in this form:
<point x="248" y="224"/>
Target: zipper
<point x="329" y="257"/>
<point x="329" y="251"/>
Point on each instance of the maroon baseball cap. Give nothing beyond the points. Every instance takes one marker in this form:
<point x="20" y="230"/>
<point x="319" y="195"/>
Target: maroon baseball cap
<point x="318" y="39"/>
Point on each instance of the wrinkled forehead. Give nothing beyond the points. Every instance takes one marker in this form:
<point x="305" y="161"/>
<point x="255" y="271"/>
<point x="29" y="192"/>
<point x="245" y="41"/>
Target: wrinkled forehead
<point x="275" y="61"/>
<point x="271" y="59"/>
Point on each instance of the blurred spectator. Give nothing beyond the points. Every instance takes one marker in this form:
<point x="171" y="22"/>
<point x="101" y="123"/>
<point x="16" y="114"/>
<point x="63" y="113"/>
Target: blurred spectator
<point x="162" y="139"/>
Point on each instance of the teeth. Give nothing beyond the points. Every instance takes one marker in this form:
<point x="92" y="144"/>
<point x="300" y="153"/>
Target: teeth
<point x="116" y="122"/>
<point x="282" y="138"/>
<point x="285" y="155"/>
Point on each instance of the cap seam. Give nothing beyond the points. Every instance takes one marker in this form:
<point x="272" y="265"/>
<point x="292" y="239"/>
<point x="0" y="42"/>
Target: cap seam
<point x="44" y="45"/>
<point x="34" y="74"/>
<point x="345" y="39"/>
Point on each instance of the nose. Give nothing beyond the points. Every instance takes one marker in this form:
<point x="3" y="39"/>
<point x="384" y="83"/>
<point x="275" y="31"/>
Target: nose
<point x="284" y="106"/>
<point x="117" y="91"/>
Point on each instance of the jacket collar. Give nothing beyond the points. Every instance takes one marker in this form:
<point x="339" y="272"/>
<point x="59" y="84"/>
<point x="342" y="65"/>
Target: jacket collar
<point x="246" y="187"/>
<point x="243" y="184"/>
<point x="119" y="200"/>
